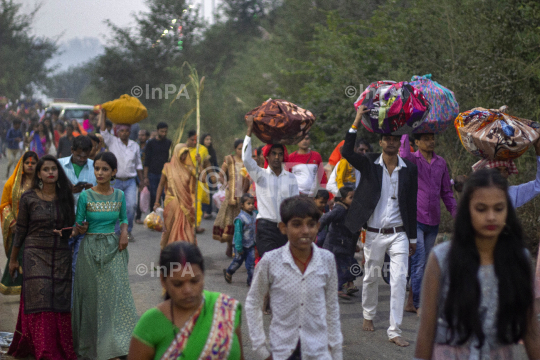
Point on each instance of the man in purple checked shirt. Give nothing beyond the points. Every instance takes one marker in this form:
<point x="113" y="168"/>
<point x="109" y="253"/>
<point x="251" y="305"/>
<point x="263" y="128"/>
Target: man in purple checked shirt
<point x="433" y="185"/>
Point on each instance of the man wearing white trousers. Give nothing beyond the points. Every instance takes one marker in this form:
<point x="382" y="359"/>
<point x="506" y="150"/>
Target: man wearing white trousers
<point x="385" y="204"/>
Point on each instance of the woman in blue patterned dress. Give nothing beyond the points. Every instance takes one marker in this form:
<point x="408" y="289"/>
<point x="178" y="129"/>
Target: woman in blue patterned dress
<point x="104" y="312"/>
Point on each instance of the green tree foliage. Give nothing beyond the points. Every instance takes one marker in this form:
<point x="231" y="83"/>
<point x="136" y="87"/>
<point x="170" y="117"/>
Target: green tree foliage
<point x="142" y="56"/>
<point x="322" y="53"/>
<point x="23" y="57"/>
<point x="485" y="51"/>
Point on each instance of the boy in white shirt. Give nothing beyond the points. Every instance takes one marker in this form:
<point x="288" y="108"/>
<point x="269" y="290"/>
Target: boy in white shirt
<point x="302" y="280"/>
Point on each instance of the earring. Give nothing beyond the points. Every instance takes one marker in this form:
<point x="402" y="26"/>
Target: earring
<point x="113" y="179"/>
<point x="40" y="184"/>
<point x="58" y="184"/>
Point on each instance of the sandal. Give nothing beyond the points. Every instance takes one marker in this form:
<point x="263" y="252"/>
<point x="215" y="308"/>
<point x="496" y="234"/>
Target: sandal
<point x="343" y="296"/>
<point x="228" y="277"/>
<point x="353" y="289"/>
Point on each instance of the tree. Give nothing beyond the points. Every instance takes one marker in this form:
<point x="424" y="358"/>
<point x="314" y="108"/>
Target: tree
<point x="23" y="57"/>
<point x="70" y="83"/>
<point x="144" y="57"/>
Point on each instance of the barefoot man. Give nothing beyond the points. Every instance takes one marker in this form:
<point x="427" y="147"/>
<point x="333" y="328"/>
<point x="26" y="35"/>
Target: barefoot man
<point x="385" y="204"/>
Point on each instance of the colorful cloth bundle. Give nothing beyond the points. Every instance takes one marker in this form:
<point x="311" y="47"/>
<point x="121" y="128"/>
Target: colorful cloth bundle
<point x="281" y="122"/>
<point x="396" y="108"/>
<point x="125" y="110"/>
<point x="444" y="107"/>
<point x="494" y="135"/>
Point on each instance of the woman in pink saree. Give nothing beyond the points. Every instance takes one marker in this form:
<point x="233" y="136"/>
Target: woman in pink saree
<point x="178" y="179"/>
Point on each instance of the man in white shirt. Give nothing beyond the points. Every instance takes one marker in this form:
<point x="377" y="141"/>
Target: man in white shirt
<point x="385" y="200"/>
<point x="302" y="281"/>
<point x="273" y="185"/>
<point x="80" y="171"/>
<point x="127" y="153"/>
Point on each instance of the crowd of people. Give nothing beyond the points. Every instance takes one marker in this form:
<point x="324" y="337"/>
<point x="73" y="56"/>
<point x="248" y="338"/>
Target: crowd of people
<point x="298" y="225"/>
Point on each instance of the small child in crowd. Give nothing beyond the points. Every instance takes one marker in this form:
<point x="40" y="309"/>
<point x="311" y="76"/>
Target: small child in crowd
<point x="341" y="242"/>
<point x="244" y="239"/>
<point x="321" y="200"/>
<point x="301" y="279"/>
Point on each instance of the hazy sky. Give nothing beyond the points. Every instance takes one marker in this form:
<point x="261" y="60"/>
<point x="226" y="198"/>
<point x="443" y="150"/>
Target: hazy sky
<point x="84" y="18"/>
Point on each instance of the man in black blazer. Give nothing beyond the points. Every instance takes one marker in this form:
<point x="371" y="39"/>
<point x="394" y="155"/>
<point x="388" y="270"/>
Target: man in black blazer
<point x="385" y="204"/>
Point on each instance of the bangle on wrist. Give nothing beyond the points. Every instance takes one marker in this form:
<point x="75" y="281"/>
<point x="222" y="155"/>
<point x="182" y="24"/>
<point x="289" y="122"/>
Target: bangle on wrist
<point x="354" y="127"/>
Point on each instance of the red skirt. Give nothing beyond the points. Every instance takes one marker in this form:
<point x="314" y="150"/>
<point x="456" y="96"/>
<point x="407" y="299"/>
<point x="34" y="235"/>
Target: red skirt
<point x="44" y="335"/>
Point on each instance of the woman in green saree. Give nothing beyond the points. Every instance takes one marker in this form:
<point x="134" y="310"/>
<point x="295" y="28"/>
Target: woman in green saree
<point x="191" y="323"/>
<point x="16" y="185"/>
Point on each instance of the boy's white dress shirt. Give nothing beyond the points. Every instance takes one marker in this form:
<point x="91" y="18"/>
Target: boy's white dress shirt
<point x="304" y="306"/>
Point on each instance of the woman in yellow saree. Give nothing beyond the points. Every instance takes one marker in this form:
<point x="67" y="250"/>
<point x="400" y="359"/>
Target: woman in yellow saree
<point x="16" y="185"/>
<point x="204" y="163"/>
<point x="178" y="180"/>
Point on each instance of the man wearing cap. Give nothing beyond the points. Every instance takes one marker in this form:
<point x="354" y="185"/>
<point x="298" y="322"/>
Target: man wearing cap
<point x="519" y="194"/>
<point x="385" y="205"/>
<point x="127" y="153"/>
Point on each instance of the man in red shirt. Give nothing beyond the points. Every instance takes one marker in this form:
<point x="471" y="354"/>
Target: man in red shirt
<point x="306" y="165"/>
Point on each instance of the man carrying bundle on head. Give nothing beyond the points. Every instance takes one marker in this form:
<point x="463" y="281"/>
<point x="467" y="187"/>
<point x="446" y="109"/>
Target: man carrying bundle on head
<point x="273" y="185"/>
<point x="386" y="201"/>
<point x="129" y="166"/>
<point x="519" y="194"/>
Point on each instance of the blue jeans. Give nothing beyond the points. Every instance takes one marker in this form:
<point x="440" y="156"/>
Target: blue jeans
<point x="154" y="183"/>
<point x="426" y="239"/>
<point x="343" y="264"/>
<point x="248" y="255"/>
<point x="74" y="244"/>
<point x="129" y="187"/>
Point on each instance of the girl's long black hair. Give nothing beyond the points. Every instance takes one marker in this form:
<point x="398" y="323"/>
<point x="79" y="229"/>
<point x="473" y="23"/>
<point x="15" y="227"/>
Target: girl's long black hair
<point x="46" y="131"/>
<point x="512" y="268"/>
<point x="211" y="150"/>
<point x="179" y="252"/>
<point x="63" y="190"/>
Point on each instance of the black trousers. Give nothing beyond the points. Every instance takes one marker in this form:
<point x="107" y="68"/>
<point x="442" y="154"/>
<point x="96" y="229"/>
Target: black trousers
<point x="297" y="354"/>
<point x="268" y="236"/>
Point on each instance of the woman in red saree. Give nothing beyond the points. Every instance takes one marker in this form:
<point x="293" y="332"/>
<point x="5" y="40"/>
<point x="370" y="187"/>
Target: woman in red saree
<point x="178" y="179"/>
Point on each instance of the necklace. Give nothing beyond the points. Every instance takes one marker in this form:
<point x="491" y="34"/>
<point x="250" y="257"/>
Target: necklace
<point x="172" y="317"/>
<point x="306" y="263"/>
<point x="106" y="194"/>
<point x="394" y="187"/>
<point x="26" y="185"/>
<point x="394" y="197"/>
<point x="47" y="196"/>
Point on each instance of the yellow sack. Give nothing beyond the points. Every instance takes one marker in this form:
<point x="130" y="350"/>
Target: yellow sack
<point x="125" y="110"/>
